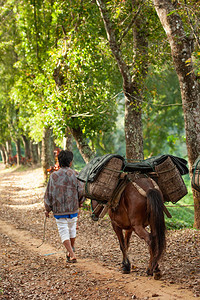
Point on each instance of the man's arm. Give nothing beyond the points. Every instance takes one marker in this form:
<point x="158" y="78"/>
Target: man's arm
<point x="81" y="192"/>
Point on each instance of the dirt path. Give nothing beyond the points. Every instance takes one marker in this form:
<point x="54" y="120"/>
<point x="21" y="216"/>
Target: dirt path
<point x="32" y="272"/>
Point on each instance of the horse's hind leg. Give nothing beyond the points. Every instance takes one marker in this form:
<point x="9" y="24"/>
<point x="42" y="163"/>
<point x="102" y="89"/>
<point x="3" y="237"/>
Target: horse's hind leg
<point x="153" y="268"/>
<point x="128" y="234"/>
<point x="153" y="263"/>
<point x="145" y="235"/>
<point x="126" y="266"/>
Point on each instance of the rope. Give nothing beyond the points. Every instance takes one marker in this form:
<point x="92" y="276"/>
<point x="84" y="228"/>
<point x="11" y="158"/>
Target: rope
<point x="121" y="171"/>
<point x="179" y="205"/>
<point x="43" y="233"/>
<point x="88" y="216"/>
<point x="139" y="189"/>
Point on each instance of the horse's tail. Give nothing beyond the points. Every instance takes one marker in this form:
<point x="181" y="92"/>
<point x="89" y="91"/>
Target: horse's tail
<point x="157" y="223"/>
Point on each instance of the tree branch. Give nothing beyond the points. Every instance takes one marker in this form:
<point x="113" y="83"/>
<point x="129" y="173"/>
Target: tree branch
<point x="114" y="46"/>
<point x="130" y="24"/>
<point x="192" y="26"/>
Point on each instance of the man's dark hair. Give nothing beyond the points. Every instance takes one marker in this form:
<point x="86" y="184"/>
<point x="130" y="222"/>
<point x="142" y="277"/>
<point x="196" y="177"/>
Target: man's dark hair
<point x="64" y="158"/>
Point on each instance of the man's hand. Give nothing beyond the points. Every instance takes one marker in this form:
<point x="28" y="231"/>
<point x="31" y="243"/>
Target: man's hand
<point x="82" y="199"/>
<point x="47" y="214"/>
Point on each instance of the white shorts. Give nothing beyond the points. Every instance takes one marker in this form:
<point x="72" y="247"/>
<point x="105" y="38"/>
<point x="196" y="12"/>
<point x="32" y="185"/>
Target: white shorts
<point x="66" y="228"/>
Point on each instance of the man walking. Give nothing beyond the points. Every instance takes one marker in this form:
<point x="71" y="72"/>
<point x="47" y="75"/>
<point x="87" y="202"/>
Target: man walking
<point x="63" y="195"/>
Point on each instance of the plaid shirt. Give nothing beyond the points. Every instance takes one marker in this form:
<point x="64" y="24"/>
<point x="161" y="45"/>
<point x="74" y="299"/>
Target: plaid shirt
<point x="63" y="192"/>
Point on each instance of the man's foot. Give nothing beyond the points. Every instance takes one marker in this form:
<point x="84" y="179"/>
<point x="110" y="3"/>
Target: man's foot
<point x="72" y="260"/>
<point x="68" y="257"/>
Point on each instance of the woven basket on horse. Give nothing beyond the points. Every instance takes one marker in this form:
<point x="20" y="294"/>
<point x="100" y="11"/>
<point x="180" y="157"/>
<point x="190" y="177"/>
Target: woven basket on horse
<point x="106" y="182"/>
<point x="170" y="181"/>
<point x="196" y="175"/>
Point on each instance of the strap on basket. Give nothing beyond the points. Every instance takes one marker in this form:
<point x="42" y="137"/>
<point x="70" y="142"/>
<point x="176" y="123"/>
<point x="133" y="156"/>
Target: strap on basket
<point x="194" y="185"/>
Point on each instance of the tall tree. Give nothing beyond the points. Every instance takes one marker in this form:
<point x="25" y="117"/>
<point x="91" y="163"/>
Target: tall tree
<point x="181" y="42"/>
<point x="47" y="151"/>
<point x="131" y="63"/>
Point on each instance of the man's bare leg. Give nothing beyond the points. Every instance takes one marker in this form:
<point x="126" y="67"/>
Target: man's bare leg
<point x="68" y="246"/>
<point x="72" y="243"/>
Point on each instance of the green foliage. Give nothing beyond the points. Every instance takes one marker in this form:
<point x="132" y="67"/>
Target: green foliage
<point x="65" y="40"/>
<point x="78" y="162"/>
<point x="182" y="216"/>
<point x="163" y="123"/>
<point x="61" y="37"/>
<point x="85" y="98"/>
<point x="163" y="116"/>
<point x="8" y="41"/>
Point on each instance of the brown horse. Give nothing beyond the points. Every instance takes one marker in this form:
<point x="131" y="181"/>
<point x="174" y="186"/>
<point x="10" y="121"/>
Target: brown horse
<point x="140" y="205"/>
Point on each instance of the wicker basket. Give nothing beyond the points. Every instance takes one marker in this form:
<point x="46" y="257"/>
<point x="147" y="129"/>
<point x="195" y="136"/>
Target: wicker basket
<point x="103" y="187"/>
<point x="196" y="180"/>
<point x="170" y="181"/>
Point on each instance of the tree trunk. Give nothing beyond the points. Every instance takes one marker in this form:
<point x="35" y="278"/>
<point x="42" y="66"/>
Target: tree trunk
<point x="3" y="154"/>
<point x="8" y="149"/>
<point x="47" y="151"/>
<point x="82" y="145"/>
<point x="34" y="153"/>
<point x="27" y="148"/>
<point x="190" y="90"/>
<point x="18" y="149"/>
<point x="133" y="127"/>
<point x="40" y="151"/>
<point x="132" y="83"/>
<point x="67" y="140"/>
<point x="7" y="157"/>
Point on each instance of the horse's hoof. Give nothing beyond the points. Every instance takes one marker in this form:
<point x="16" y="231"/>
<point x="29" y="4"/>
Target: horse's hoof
<point x="94" y="218"/>
<point x="157" y="275"/>
<point x="125" y="271"/>
<point x="149" y="273"/>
